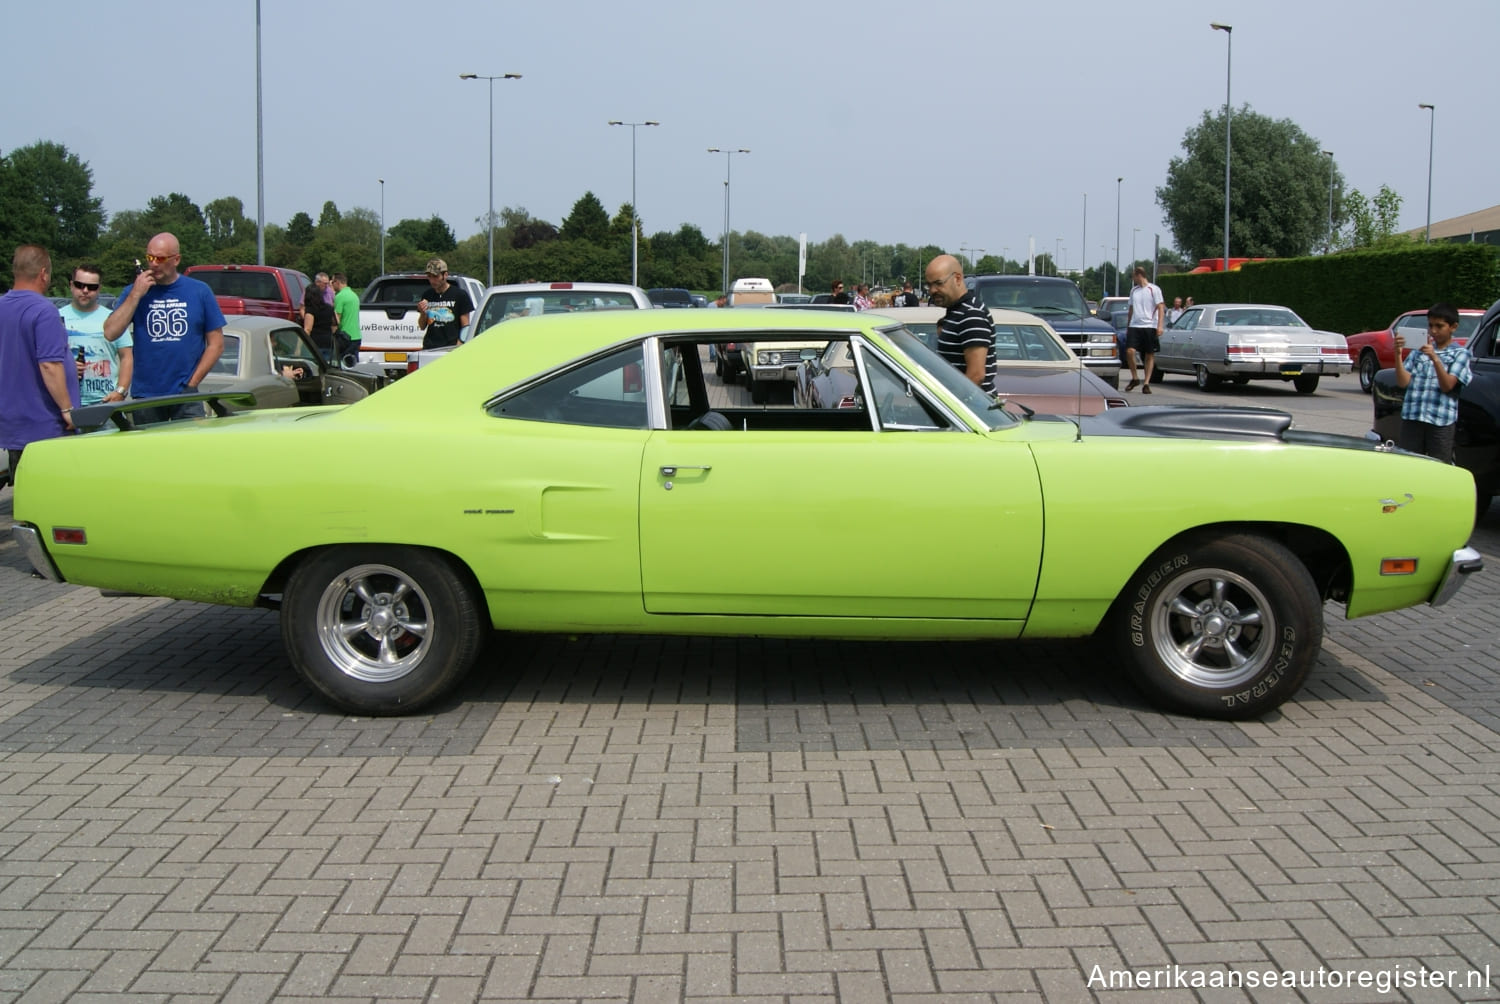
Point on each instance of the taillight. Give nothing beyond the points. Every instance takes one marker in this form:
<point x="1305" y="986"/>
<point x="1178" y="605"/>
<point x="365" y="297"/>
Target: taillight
<point x="69" y="535"/>
<point x="631" y="380"/>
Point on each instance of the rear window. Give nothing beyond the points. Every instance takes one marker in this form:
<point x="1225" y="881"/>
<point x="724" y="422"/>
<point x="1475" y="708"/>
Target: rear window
<point x="678" y="297"/>
<point x="406" y="289"/>
<point x="1258" y="317"/>
<point x="245" y="285"/>
<point x="503" y="306"/>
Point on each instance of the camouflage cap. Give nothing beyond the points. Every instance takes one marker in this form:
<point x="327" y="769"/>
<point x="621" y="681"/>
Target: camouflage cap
<point x="436" y="266"/>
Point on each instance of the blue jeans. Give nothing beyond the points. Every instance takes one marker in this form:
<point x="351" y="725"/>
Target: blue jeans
<point x="169" y="413"/>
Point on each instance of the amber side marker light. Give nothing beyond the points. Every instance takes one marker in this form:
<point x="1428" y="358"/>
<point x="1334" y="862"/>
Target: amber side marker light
<point x="1398" y="566"/>
<point x="69" y="535"/>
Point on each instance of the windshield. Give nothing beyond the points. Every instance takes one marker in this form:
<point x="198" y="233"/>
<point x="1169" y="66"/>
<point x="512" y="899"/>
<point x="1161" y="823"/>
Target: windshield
<point x="954" y="382"/>
<point x="1054" y="298"/>
<point x="503" y="306"/>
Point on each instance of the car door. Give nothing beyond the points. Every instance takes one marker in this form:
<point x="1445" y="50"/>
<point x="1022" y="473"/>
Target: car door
<point x="1176" y="345"/>
<point x="923" y="518"/>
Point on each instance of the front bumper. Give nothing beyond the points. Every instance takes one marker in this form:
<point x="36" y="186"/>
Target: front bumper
<point x="1466" y="561"/>
<point x="30" y="541"/>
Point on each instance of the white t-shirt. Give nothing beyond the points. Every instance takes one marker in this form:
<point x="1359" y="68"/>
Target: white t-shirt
<point x="1143" y="303"/>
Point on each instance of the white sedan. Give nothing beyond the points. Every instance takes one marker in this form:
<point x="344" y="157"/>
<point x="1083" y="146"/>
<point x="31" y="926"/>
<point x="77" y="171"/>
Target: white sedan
<point x="1250" y="341"/>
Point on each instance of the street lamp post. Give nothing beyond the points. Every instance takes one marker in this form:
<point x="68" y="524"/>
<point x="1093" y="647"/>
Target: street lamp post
<point x="382" y="225"/>
<point x="1133" y="232"/>
<point x="490" y="218"/>
<point x="971" y="252"/>
<point x="1056" y="253"/>
<point x="1117" y="235"/>
<point x="635" y="258"/>
<point x="260" y="155"/>
<point x="1083" y="247"/>
<point x="1228" y="30"/>
<point x="728" y="153"/>
<point x="1004" y="254"/>
<point x="1328" y="244"/>
<point x="1431" y="132"/>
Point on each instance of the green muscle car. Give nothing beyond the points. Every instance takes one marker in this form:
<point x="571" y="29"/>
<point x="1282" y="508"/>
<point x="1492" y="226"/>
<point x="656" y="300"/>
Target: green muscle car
<point x="572" y="473"/>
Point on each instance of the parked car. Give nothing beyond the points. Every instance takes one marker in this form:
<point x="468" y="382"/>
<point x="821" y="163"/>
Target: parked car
<point x="536" y="299"/>
<point x="699" y="300"/>
<point x="794" y="298"/>
<point x="1060" y="303"/>
<point x="1250" y="341"/>
<point x="570" y="473"/>
<point x="388" y="331"/>
<point x="255" y="290"/>
<point x="1373" y="351"/>
<point x="1034" y="368"/>
<point x="279" y="364"/>
<point x="1477" y="436"/>
<point x="664" y="296"/>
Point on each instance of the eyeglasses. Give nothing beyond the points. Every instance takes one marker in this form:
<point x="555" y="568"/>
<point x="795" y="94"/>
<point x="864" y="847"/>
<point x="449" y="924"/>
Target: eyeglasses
<point x="839" y="286"/>
<point x="941" y="282"/>
<point x="159" y="259"/>
<point x="90" y="286"/>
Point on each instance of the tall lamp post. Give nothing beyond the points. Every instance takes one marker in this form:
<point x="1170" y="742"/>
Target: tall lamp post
<point x="1328" y="244"/>
<point x="382" y="225"/>
<point x="971" y="253"/>
<point x="635" y="255"/>
<point x="490" y="219"/>
<point x="1083" y="247"/>
<point x="1228" y="30"/>
<point x="1431" y="132"/>
<point x="1004" y="254"/>
<point x="728" y="153"/>
<point x="1133" y="232"/>
<point x="260" y="156"/>
<point x="1117" y="235"/>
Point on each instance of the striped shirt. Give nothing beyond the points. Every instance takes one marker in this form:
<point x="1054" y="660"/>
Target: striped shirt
<point x="966" y="324"/>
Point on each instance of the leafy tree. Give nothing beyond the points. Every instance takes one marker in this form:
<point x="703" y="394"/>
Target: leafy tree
<point x="46" y="198"/>
<point x="587" y="222"/>
<point x="1371" y="222"/>
<point x="437" y="236"/>
<point x="532" y="232"/>
<point x="329" y="217"/>
<point x="1279" y="180"/>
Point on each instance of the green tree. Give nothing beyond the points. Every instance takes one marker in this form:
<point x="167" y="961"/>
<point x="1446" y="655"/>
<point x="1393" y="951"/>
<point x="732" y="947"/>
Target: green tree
<point x="329" y="217"/>
<point x="300" y="230"/>
<point x="1279" y="178"/>
<point x="1371" y="222"/>
<point x="587" y="222"/>
<point x="46" y="198"/>
<point x="437" y="236"/>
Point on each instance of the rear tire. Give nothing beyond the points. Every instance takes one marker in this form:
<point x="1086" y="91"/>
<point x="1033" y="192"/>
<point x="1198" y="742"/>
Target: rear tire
<point x="1220" y="627"/>
<point x="382" y="630"/>
<point x="1306" y="384"/>
<point x="1206" y="381"/>
<point x="1368" y="367"/>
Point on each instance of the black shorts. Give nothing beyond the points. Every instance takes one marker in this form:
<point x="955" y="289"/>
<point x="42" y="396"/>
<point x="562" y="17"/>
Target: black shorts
<point x="1143" y="340"/>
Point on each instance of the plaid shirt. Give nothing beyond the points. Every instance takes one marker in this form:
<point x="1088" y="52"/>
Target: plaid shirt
<point x="1425" y="400"/>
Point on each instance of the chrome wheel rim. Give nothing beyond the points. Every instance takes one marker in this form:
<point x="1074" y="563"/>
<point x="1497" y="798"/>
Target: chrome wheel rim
<point x="374" y="623"/>
<point x="1213" y="628"/>
<point x="1366" y="372"/>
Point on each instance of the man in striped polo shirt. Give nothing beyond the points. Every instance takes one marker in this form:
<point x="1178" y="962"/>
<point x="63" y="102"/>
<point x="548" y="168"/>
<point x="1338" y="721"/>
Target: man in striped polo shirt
<point x="966" y="336"/>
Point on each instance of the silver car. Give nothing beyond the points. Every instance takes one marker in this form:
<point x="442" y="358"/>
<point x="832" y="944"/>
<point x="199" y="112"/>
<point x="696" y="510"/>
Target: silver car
<point x="1240" y="342"/>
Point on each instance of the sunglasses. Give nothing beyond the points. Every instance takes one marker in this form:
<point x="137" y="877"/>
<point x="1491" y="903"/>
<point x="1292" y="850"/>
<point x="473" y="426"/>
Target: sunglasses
<point x="90" y="286"/>
<point x="159" y="259"/>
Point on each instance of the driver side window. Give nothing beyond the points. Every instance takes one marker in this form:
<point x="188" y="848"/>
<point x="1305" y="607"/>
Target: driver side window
<point x="898" y="405"/>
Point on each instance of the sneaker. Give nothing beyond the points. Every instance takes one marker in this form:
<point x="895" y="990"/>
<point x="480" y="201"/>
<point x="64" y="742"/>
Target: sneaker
<point x="1146" y="389"/>
<point x="1132" y="385"/>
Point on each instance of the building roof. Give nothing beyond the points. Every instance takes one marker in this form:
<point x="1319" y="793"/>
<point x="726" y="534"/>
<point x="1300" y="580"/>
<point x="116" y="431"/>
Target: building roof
<point x="1483" y="221"/>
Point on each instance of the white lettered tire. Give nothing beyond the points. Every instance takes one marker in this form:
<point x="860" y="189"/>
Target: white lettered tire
<point x="382" y="630"/>
<point x="1225" y="627"/>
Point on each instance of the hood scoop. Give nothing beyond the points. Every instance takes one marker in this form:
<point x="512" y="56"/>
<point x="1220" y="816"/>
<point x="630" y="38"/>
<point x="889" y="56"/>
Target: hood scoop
<point x="1190" y="422"/>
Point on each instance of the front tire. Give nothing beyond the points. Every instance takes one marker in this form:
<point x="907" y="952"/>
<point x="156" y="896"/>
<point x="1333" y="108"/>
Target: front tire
<point x="1368" y="367"/>
<point x="1206" y="380"/>
<point x="381" y="630"/>
<point x="1221" y="628"/>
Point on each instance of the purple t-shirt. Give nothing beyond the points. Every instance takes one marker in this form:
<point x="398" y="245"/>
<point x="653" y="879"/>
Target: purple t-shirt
<point x="170" y="324"/>
<point x="31" y="332"/>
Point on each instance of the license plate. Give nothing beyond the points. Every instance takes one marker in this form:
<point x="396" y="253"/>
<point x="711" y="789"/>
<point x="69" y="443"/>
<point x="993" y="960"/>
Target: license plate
<point x="395" y="357"/>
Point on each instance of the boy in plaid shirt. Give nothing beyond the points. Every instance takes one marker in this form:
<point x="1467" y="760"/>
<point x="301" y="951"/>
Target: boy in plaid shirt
<point x="1433" y="378"/>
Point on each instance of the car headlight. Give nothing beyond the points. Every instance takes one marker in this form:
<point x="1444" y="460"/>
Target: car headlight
<point x="765" y="358"/>
<point x="1102" y="338"/>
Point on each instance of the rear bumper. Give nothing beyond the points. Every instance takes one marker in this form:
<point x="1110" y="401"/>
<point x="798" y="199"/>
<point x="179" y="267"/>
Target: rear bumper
<point x="1283" y="367"/>
<point x="30" y="541"/>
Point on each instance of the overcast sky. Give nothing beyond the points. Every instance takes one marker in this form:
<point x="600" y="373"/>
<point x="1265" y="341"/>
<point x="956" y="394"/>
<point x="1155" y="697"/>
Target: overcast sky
<point x="972" y="123"/>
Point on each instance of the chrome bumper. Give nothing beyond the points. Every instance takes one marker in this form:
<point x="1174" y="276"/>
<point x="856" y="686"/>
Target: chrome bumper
<point x="30" y="541"/>
<point x="1466" y="561"/>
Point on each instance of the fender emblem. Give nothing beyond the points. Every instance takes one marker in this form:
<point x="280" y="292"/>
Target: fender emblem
<point x="1391" y="505"/>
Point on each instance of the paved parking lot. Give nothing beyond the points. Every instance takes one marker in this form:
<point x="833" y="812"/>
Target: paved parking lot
<point x="660" y="819"/>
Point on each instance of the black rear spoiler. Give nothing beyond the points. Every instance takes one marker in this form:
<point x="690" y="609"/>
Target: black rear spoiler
<point x="96" y="416"/>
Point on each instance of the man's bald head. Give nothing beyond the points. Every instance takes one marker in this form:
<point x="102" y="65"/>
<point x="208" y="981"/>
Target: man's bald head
<point x="945" y="280"/>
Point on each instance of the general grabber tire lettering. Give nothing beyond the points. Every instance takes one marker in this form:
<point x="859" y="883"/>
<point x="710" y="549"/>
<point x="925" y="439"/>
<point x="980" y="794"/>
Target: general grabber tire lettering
<point x="382" y="630"/>
<point x="1223" y="627"/>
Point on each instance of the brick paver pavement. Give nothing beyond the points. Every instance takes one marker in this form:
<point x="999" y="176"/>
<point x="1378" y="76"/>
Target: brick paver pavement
<point x="618" y="818"/>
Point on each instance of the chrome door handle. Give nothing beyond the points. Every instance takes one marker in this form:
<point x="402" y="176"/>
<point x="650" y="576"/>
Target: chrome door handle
<point x="671" y="472"/>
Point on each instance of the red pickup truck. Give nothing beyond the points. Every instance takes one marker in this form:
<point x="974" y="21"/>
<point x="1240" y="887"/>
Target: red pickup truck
<point x="255" y="290"/>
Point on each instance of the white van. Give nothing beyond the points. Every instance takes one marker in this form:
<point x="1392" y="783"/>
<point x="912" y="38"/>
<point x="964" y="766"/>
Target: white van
<point x="751" y="291"/>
